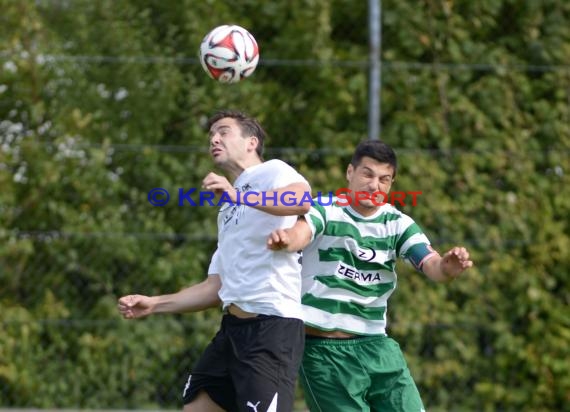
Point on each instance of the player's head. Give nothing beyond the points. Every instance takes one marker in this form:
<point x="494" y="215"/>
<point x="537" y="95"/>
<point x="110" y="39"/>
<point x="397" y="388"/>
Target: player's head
<point x="370" y="175"/>
<point x="249" y="127"/>
<point x="377" y="150"/>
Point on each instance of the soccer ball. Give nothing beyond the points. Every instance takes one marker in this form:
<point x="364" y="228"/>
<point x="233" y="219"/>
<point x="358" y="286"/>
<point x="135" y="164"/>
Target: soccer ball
<point x="229" y="53"/>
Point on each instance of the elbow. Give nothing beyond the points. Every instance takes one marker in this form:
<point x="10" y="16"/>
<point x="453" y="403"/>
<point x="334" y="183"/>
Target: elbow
<point x="213" y="301"/>
<point x="304" y="208"/>
<point x="216" y="302"/>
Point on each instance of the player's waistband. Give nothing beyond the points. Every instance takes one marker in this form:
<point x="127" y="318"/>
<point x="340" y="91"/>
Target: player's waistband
<point x="236" y="311"/>
<point x="313" y="333"/>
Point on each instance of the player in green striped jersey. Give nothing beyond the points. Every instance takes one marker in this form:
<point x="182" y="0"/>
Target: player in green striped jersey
<point x="350" y="247"/>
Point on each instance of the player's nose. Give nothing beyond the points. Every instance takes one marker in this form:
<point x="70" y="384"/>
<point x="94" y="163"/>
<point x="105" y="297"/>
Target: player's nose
<point x="214" y="139"/>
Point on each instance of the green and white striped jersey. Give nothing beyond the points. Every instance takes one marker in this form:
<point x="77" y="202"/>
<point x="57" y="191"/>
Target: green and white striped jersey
<point x="349" y="267"/>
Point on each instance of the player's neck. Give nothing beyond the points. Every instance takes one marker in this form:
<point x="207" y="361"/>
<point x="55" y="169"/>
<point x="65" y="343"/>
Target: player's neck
<point x="237" y="168"/>
<point x="365" y="211"/>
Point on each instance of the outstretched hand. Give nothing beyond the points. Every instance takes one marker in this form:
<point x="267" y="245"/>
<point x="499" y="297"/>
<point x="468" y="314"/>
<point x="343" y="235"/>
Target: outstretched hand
<point x="135" y="306"/>
<point x="455" y="261"/>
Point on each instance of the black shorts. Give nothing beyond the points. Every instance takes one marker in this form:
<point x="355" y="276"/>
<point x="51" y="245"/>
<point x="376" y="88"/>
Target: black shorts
<point x="251" y="364"/>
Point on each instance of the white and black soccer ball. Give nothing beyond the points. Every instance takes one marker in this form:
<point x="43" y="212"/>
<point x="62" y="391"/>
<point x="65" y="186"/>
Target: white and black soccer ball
<point x="229" y="53"/>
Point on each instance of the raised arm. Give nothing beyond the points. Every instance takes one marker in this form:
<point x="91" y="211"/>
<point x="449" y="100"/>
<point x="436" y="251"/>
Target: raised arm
<point x="292" y="239"/>
<point x="447" y="267"/>
<point x="201" y="296"/>
<point x="283" y="201"/>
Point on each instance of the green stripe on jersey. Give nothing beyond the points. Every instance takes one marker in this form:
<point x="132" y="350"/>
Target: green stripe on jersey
<point x="335" y="306"/>
<point x="412" y="230"/>
<point x="320" y="209"/>
<point x="377" y="289"/>
<point x="342" y="229"/>
<point x="345" y="256"/>
<point x="318" y="223"/>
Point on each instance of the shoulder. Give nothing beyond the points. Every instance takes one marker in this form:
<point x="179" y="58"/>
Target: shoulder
<point x="276" y="164"/>
<point x="388" y="208"/>
<point x="403" y="223"/>
<point x="327" y="206"/>
<point x="282" y="173"/>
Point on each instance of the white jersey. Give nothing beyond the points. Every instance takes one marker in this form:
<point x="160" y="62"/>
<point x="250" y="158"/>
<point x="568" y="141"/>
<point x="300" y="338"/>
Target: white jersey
<point x="348" y="269"/>
<point x="254" y="277"/>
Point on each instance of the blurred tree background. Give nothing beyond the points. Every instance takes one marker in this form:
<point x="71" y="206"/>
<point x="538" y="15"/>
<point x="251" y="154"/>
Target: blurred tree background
<point x="103" y="100"/>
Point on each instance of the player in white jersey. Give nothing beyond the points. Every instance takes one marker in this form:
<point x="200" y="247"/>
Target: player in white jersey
<point x="350" y="250"/>
<point x="254" y="359"/>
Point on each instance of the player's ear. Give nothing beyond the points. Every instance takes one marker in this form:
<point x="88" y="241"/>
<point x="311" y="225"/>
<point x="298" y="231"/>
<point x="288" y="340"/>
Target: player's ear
<point x="253" y="143"/>
<point x="349" y="171"/>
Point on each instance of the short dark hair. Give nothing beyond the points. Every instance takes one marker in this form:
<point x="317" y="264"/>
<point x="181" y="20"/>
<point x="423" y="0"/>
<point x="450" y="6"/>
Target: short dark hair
<point x="376" y="150"/>
<point x="248" y="125"/>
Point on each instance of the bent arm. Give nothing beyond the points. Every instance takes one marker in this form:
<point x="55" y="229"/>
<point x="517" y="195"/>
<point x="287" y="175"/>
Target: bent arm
<point x="284" y="201"/>
<point x="292" y="239"/>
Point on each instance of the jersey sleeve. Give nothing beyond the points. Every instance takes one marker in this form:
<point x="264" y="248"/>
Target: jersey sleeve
<point x="214" y="268"/>
<point x="413" y="245"/>
<point x="316" y="219"/>
<point x="418" y="254"/>
<point x="285" y="174"/>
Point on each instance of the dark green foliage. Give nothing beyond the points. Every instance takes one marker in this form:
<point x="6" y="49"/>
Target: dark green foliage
<point x="102" y="101"/>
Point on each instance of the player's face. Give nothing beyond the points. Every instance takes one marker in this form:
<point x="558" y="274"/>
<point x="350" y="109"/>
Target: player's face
<point x="228" y="146"/>
<point x="368" y="177"/>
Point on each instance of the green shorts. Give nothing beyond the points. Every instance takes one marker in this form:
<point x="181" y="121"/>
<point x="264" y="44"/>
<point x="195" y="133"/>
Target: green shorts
<point x="360" y="375"/>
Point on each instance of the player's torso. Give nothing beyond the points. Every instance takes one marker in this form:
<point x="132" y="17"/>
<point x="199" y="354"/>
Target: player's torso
<point x="352" y="263"/>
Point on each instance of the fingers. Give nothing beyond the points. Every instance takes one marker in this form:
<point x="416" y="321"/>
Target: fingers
<point x="216" y="182"/>
<point x="273" y="240"/>
<point x="209" y="179"/>
<point x="460" y="254"/>
<point x="457" y="260"/>
<point x="126" y="300"/>
<point x="126" y="305"/>
<point x="277" y="240"/>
